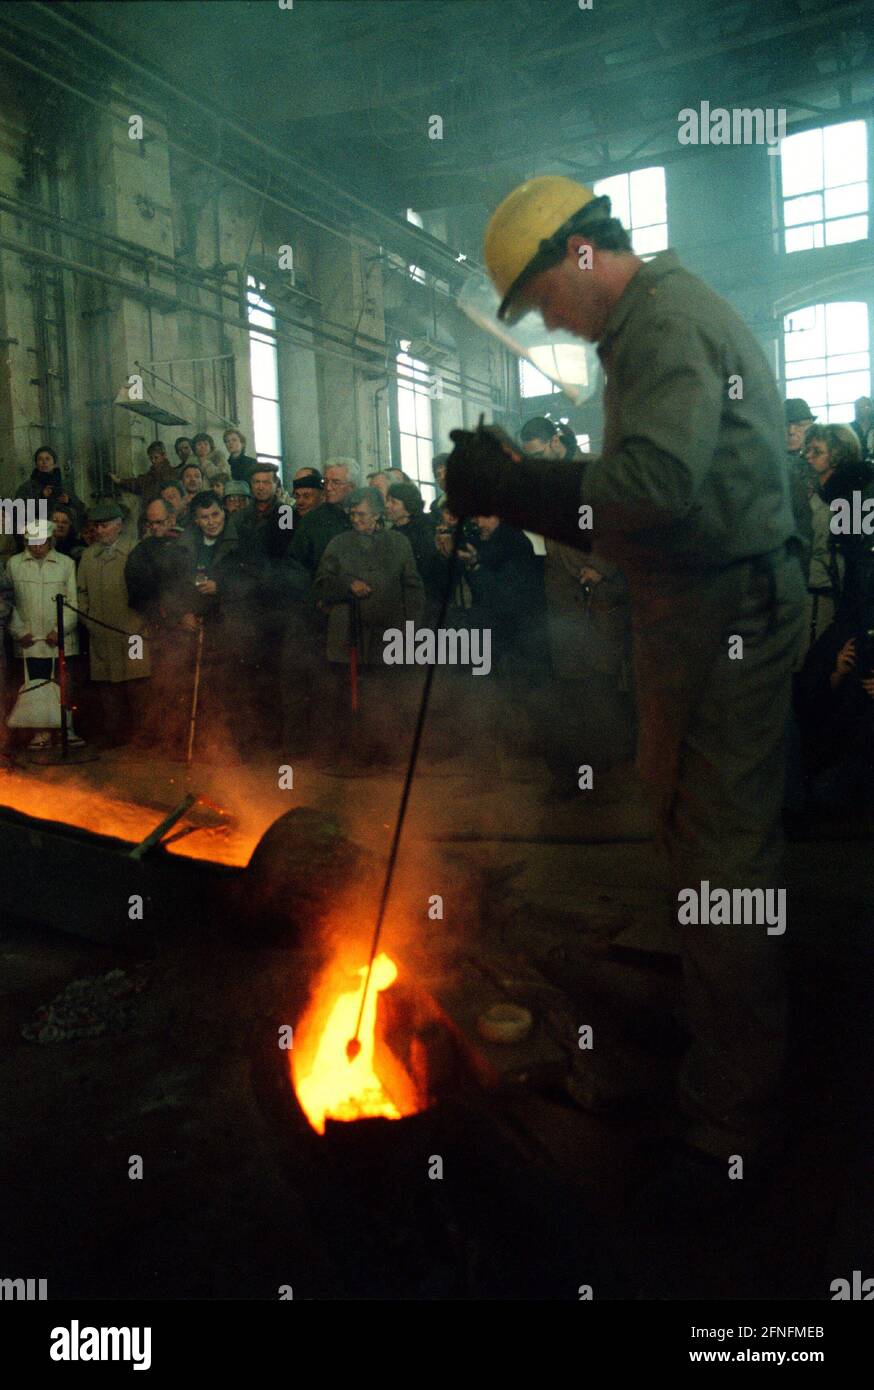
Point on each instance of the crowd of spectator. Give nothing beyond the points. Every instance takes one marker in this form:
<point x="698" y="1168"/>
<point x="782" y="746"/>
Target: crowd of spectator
<point x="275" y="604"/>
<point x="206" y="572"/>
<point x="831" y="763"/>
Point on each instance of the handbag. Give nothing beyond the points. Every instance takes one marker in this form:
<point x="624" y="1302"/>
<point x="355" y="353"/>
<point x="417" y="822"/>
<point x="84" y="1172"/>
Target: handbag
<point x="39" y="700"/>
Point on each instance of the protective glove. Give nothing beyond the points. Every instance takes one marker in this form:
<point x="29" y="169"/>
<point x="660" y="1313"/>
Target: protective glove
<point x="478" y="468"/>
<point x="487" y="474"/>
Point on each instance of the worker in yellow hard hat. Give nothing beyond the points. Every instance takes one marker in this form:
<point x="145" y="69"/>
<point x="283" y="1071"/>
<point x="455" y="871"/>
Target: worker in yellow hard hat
<point x="527" y="234"/>
<point x="690" y="496"/>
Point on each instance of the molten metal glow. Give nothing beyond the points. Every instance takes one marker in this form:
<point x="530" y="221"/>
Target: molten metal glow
<point x="333" y="1087"/>
<point x="89" y="809"/>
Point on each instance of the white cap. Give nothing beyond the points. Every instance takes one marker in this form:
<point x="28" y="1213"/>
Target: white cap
<point x="38" y="532"/>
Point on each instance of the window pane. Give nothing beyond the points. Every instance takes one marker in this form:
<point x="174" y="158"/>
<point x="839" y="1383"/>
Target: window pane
<point x="801" y="162"/>
<point x="800" y="319"/>
<point x="534" y="383"/>
<point x="808" y="367"/>
<point x="648" y="240"/>
<point x="261" y="317"/>
<point x="846" y="324"/>
<point x="812" y="388"/>
<point x="848" y="229"/>
<point x="423" y="415"/>
<point x="406" y="410"/>
<point x="426" y="454"/>
<point x="265" y="416"/>
<point x="853" y="197"/>
<point x="845" y="150"/>
<point x="799" y="238"/>
<point x="617" y="190"/>
<point x="806" y="209"/>
<point x="850" y="362"/>
<point x="848" y="386"/>
<point x="262" y="357"/>
<point x="408" y="454"/>
<point x="648" y="204"/>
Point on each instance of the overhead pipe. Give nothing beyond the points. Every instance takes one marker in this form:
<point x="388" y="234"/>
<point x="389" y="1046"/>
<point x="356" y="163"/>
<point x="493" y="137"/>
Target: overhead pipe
<point x="178" y="269"/>
<point x="169" y="304"/>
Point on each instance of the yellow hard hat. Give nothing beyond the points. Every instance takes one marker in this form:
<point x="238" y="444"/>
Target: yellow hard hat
<point x="514" y="245"/>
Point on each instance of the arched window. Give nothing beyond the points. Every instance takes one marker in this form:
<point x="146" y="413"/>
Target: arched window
<point x="828" y="362"/>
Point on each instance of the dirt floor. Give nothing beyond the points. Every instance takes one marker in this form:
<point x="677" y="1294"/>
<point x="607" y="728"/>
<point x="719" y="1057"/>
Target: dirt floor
<point x="238" y="1197"/>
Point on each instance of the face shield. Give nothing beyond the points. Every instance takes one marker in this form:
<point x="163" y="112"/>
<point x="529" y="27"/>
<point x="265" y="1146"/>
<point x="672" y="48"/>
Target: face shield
<point x="564" y="359"/>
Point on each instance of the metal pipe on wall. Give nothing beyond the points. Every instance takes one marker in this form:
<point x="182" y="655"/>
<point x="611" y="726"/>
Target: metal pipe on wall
<point x="169" y="304"/>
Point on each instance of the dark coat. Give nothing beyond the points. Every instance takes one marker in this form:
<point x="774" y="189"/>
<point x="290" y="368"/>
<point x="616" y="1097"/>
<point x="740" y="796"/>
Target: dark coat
<point x="158" y="578"/>
<point x="241" y="466"/>
<point x="229" y="633"/>
<point x="313" y="532"/>
<point x="834" y="722"/>
<point x="385" y="562"/>
<point x="419" y="531"/>
<point x="505" y="587"/>
<point x="148" y="485"/>
<point x="857" y="589"/>
<point x="52" y="487"/>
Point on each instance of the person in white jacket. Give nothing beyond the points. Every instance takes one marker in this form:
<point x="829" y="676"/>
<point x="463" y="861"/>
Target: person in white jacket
<point x="37" y="575"/>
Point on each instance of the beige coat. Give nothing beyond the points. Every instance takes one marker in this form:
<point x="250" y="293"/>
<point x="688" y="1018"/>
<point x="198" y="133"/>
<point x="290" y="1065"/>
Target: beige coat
<point x="103" y="595"/>
<point x="35" y="584"/>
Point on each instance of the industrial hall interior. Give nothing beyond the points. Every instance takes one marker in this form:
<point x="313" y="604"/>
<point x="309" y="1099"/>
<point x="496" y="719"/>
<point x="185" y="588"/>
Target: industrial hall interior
<point x="436" y="652"/>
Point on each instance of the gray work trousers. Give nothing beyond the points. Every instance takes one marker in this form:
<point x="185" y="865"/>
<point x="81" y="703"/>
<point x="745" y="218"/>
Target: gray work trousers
<point x="712" y="749"/>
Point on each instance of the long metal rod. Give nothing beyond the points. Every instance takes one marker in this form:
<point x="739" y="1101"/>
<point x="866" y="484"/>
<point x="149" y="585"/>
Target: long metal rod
<point x="156" y="836"/>
<point x="353" y="1047"/>
<point x="195" y="696"/>
<point x="62" y="674"/>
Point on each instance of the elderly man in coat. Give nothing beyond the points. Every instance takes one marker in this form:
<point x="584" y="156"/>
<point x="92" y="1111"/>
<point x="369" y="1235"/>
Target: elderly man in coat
<point x="119" y="650"/>
<point x="368" y="583"/>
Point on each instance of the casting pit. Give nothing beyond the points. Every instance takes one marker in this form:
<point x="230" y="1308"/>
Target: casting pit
<point x="405" y="1062"/>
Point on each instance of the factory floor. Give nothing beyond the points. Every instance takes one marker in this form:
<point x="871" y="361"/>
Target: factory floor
<point x="233" y="1204"/>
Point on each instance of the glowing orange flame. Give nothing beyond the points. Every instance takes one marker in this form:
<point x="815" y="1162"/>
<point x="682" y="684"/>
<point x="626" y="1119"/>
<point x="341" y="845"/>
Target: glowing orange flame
<point x="332" y="1086"/>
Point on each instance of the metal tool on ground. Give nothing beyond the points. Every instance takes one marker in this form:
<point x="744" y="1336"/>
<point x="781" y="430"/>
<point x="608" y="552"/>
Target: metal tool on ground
<point x="353" y="1047"/>
<point x="154" y="838"/>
